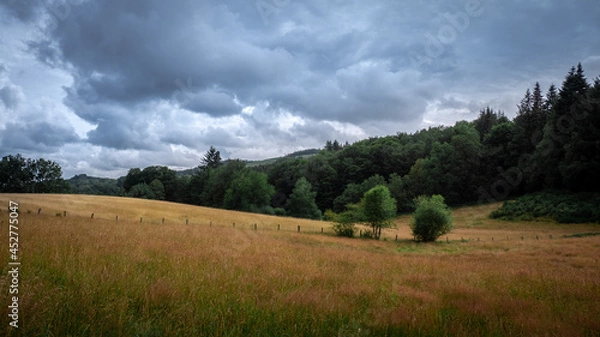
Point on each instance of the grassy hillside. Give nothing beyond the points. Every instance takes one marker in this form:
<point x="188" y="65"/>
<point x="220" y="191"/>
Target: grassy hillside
<point x="103" y="277"/>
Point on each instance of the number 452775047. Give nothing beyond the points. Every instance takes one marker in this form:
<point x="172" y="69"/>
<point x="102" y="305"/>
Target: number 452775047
<point x="13" y="234"/>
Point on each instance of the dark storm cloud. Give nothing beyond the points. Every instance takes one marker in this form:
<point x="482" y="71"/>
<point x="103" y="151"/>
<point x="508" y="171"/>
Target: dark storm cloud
<point x="36" y="136"/>
<point x="11" y="96"/>
<point x="524" y="37"/>
<point x="150" y="49"/>
<point x="24" y="10"/>
<point x="153" y="75"/>
<point x="210" y="101"/>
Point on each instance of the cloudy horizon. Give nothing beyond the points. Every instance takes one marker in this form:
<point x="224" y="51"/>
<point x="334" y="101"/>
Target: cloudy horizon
<point x="104" y="86"/>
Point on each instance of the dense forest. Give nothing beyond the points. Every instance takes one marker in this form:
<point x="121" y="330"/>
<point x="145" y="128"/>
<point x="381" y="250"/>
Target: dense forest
<point x="552" y="143"/>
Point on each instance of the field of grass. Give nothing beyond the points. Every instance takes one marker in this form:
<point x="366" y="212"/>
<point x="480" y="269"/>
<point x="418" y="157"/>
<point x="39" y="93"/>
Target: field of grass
<point x="102" y="277"/>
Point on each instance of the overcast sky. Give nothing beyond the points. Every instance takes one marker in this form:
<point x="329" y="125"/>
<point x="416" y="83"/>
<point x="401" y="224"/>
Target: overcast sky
<point x="101" y="86"/>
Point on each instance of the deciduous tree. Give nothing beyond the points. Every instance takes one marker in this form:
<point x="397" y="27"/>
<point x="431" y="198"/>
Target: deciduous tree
<point x="379" y="208"/>
<point x="301" y="203"/>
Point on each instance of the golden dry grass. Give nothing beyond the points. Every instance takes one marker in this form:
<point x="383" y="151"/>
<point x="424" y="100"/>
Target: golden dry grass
<point x="100" y="277"/>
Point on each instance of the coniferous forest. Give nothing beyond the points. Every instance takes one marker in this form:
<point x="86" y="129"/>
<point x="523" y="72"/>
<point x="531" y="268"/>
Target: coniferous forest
<point x="551" y="145"/>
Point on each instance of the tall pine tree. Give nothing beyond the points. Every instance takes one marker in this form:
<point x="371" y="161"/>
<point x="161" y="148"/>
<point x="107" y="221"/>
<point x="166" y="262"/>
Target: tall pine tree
<point x="562" y="122"/>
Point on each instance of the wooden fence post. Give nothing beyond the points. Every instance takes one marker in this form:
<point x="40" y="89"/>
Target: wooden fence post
<point x="140" y="219"/>
<point x="39" y="211"/>
<point x="278" y="226"/>
<point x="92" y="216"/>
<point x="255" y="227"/>
<point x="298" y="228"/>
<point x="117" y="218"/>
<point x="234" y="225"/>
<point x="163" y="220"/>
<point x="396" y="237"/>
<point x="187" y="221"/>
<point x="65" y="213"/>
<point x="321" y="230"/>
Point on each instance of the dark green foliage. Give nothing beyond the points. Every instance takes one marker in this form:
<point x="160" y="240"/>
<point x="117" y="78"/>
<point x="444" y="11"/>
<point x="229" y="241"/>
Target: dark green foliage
<point x="354" y="192"/>
<point x="344" y="229"/>
<point x="24" y="175"/>
<point x="158" y="189"/>
<point x="487" y="119"/>
<point x="581" y="235"/>
<point x="142" y="191"/>
<point x="233" y="186"/>
<point x="379" y="208"/>
<point x="571" y="136"/>
<point x="218" y="181"/>
<point x="301" y="203"/>
<point x="249" y="191"/>
<point x="164" y="182"/>
<point x="450" y="168"/>
<point x="564" y="207"/>
<point x="344" y="223"/>
<point x="431" y="219"/>
<point x="324" y="179"/>
<point x="212" y="159"/>
<point x="283" y="175"/>
<point x="83" y="184"/>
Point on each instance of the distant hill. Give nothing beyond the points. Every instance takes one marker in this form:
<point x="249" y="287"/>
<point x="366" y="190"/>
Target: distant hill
<point x="254" y="163"/>
<point x="298" y="154"/>
<point x="84" y="184"/>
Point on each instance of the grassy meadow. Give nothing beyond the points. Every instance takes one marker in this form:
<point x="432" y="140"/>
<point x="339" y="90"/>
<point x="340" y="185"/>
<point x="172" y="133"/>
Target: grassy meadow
<point x="102" y="277"/>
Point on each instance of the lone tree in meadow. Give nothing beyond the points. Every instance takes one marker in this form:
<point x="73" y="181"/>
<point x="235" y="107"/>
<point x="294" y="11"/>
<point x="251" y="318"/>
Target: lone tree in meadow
<point x="431" y="219"/>
<point x="379" y="208"/>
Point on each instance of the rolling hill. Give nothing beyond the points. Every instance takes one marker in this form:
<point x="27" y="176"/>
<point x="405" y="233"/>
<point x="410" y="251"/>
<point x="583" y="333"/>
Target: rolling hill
<point x="140" y="276"/>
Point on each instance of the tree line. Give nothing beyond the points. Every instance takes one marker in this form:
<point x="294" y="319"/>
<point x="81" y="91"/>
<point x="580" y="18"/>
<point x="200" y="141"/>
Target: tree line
<point x="25" y="175"/>
<point x="553" y="142"/>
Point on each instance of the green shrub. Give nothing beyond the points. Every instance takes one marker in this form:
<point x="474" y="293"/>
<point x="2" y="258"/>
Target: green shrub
<point x="279" y="211"/>
<point x="431" y="219"/>
<point x="330" y="215"/>
<point x="564" y="207"/>
<point x="366" y="234"/>
<point x="344" y="229"/>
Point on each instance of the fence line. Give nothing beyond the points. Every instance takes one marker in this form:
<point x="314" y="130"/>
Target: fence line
<point x="278" y="227"/>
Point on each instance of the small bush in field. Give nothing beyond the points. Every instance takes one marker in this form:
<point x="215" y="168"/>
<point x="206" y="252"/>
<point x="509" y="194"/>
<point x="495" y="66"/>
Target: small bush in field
<point x="344" y="229"/>
<point x="431" y="219"/>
